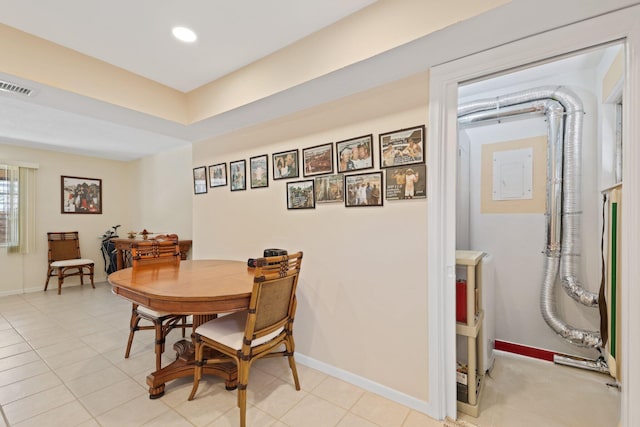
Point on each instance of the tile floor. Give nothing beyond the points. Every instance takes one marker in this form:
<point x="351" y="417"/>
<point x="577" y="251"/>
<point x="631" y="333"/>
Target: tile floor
<point x="527" y="392"/>
<point x="62" y="364"/>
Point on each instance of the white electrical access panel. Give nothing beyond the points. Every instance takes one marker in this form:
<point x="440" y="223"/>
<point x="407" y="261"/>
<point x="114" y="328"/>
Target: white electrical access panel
<point x="513" y="174"/>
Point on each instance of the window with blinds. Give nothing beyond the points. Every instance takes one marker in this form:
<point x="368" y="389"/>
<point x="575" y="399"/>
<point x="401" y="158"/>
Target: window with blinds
<point x="9" y="202"/>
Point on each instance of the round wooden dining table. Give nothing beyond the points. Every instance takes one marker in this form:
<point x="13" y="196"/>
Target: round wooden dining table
<point x="202" y="288"/>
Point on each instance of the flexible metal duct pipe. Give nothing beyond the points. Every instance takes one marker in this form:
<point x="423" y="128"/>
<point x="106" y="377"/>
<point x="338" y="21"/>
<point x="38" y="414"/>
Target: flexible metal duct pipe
<point x="563" y="110"/>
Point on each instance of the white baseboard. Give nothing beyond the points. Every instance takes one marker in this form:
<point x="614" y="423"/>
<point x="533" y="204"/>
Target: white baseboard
<point x="19" y="291"/>
<point x="366" y="384"/>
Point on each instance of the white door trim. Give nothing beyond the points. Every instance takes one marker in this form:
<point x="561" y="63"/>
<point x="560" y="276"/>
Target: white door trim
<point x="442" y="155"/>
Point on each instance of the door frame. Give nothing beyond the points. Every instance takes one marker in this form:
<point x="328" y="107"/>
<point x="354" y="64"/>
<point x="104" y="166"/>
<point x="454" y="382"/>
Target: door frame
<point x="622" y="25"/>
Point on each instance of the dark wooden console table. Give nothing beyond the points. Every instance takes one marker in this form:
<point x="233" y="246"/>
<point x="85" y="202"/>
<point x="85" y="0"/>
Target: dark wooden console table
<point x="124" y="245"/>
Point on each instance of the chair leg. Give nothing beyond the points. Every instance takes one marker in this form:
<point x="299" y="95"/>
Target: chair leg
<point x="289" y="344"/>
<point x="91" y="276"/>
<point x="197" y="373"/>
<point x="133" y="327"/>
<point x="49" y="273"/>
<point x="243" y="379"/>
<point x="60" y="280"/>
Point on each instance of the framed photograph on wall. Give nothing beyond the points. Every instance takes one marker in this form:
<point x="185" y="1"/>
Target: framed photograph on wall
<point x="238" y="171"/>
<point x="355" y="153"/>
<point x="329" y="188"/>
<point x="402" y="147"/>
<point x="363" y="189"/>
<point x="317" y="160"/>
<point x="285" y="164"/>
<point x="259" y="167"/>
<point x="80" y="195"/>
<point x="300" y="195"/>
<point x="406" y="182"/>
<point x="218" y="175"/>
<point x="200" y="180"/>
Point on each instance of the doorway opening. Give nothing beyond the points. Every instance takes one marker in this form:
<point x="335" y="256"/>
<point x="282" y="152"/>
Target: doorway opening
<point x="534" y="195"/>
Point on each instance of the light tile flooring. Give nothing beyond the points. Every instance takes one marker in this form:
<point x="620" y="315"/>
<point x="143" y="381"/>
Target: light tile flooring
<point x="527" y="392"/>
<point x="62" y="364"/>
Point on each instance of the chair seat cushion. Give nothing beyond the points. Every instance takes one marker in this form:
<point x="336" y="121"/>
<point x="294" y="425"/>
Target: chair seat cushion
<point x="71" y="262"/>
<point x="153" y="313"/>
<point x="229" y="330"/>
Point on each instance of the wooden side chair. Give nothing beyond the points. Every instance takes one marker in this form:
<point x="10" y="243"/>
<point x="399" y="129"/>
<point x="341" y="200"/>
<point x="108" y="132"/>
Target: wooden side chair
<point x="145" y="253"/>
<point x="248" y="335"/>
<point x="65" y="259"/>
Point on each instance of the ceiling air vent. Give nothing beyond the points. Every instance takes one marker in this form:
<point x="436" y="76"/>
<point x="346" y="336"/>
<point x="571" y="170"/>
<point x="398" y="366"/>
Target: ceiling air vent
<point x="14" y="88"/>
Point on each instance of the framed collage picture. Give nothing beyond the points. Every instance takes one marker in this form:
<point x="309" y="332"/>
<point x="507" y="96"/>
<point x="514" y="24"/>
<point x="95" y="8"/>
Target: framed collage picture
<point x="406" y="182"/>
<point x="301" y="195"/>
<point x="259" y="167"/>
<point x="363" y="189"/>
<point x="285" y="165"/>
<point x="80" y="195"/>
<point x="330" y="188"/>
<point x="318" y="160"/>
<point x="218" y="175"/>
<point x="200" y="180"/>
<point x="238" y="171"/>
<point x="355" y="154"/>
<point x="402" y="147"/>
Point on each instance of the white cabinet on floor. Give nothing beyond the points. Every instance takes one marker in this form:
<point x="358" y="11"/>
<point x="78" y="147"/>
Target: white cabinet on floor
<point x="472" y="329"/>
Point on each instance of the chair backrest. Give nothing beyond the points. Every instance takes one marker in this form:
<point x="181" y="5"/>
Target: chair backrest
<point x="63" y="245"/>
<point x="163" y="237"/>
<point x="273" y="302"/>
<point x="154" y="252"/>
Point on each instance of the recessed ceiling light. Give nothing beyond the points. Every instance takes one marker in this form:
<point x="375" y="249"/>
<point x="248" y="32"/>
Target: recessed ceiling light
<point x="184" y="34"/>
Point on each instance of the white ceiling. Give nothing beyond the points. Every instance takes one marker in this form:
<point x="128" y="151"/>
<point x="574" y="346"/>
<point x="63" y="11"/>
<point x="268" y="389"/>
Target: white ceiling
<point x="136" y="36"/>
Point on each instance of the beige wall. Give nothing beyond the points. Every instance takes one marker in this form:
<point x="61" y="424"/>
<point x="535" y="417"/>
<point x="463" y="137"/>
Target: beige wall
<point x="363" y="291"/>
<point x="161" y="193"/>
<point x="613" y="77"/>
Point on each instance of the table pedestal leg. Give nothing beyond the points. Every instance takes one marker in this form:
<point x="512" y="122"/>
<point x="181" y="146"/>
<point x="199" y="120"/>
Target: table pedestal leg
<point x="184" y="366"/>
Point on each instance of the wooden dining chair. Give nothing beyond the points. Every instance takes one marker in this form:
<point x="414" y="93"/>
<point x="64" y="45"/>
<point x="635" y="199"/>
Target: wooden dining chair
<point x="154" y="252"/>
<point x="65" y="259"/>
<point x="163" y="237"/>
<point x="248" y="335"/>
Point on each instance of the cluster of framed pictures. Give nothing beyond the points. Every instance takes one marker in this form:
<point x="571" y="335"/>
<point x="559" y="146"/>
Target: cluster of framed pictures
<point x="363" y="189"/>
<point x="401" y="155"/>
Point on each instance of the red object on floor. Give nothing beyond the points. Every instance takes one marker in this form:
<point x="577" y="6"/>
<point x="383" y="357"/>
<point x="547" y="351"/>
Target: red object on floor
<point x="536" y="353"/>
<point x="461" y="301"/>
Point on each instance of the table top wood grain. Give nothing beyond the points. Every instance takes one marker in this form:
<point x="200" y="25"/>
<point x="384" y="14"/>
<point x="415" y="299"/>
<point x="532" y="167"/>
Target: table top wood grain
<point x="190" y="287"/>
